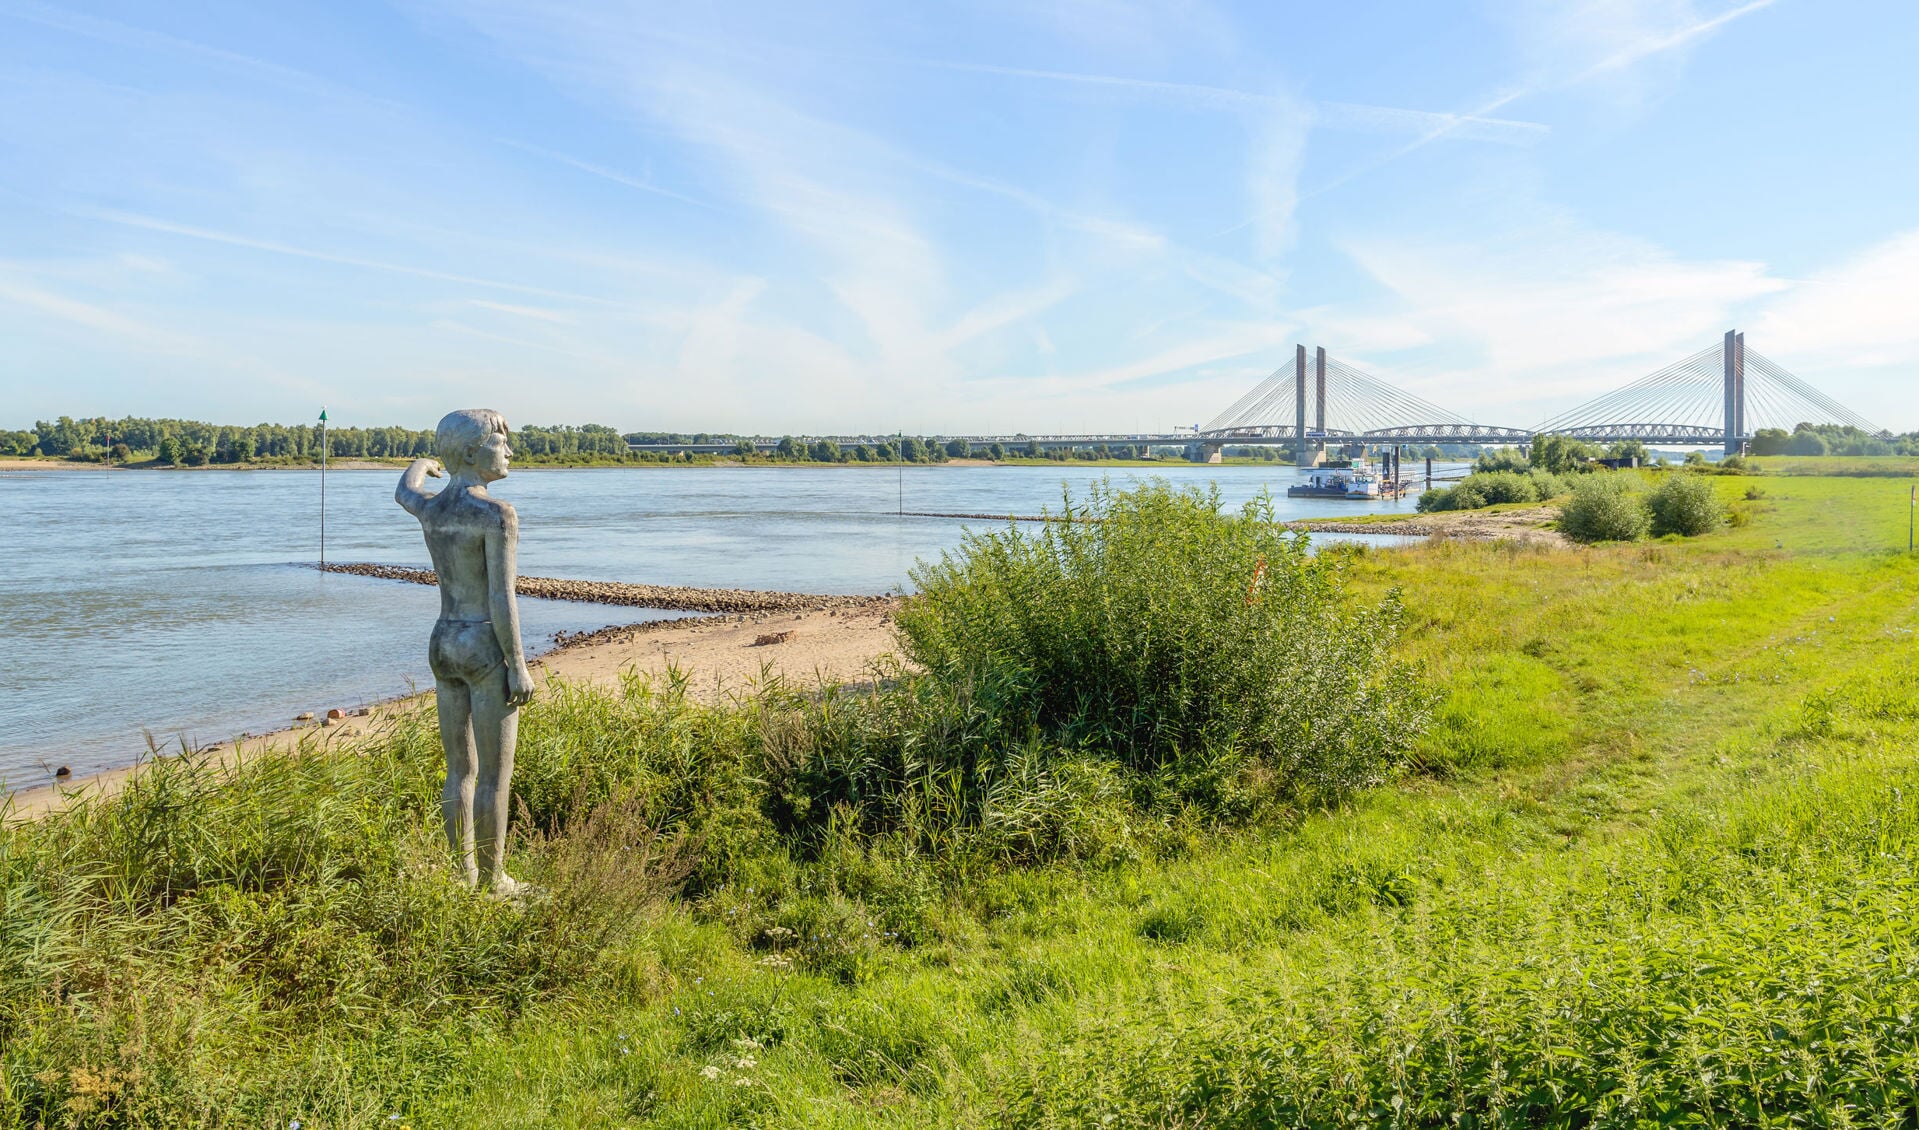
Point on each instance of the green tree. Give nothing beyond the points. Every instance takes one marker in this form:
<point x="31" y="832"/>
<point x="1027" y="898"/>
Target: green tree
<point x="1604" y="507"/>
<point x="169" y="451"/>
<point x="789" y="448"/>
<point x="234" y="448"/>
<point x="1502" y="459"/>
<point x="1630" y="449"/>
<point x="1561" y="454"/>
<point x="744" y="448"/>
<point x="1684" y="504"/>
<point x="958" y="449"/>
<point x="1807" y="442"/>
<point x="824" y="451"/>
<point x="913" y="449"/>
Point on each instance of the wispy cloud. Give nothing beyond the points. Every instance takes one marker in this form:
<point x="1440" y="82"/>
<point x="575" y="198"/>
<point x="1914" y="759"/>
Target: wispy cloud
<point x="560" y="317"/>
<point x="1557" y="312"/>
<point x="144" y="39"/>
<point x="273" y="247"/>
<point x="1641" y="44"/>
<point x="608" y="174"/>
<point x="1856" y="313"/>
<point x="93" y="317"/>
<point x="1331" y="115"/>
<point x="1659" y="42"/>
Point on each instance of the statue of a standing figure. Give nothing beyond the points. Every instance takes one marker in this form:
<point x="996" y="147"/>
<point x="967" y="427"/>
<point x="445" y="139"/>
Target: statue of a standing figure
<point x="475" y="653"/>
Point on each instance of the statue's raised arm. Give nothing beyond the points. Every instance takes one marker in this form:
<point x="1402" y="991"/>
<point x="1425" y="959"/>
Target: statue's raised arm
<point x="409" y="495"/>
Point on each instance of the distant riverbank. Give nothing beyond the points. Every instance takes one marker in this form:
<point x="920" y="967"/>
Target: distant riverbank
<point x="827" y="636"/>
<point x="357" y="463"/>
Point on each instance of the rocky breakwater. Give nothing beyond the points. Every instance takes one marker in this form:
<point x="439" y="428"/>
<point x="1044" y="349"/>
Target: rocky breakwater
<point x="679" y="598"/>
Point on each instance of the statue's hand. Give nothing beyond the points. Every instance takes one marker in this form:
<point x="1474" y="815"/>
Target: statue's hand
<point x="519" y="685"/>
<point x="433" y="468"/>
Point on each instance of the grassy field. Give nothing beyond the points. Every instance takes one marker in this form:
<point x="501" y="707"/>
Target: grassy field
<point x="1651" y="863"/>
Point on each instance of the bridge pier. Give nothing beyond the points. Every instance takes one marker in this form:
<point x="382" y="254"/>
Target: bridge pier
<point x="1735" y="357"/>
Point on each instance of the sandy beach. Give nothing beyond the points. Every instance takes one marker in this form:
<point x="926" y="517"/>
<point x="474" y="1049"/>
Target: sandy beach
<point x="720" y="654"/>
<point x="1527" y="525"/>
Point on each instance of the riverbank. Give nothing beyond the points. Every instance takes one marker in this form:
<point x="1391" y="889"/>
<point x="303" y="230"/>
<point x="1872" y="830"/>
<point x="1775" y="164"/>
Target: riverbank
<point x="834" y="640"/>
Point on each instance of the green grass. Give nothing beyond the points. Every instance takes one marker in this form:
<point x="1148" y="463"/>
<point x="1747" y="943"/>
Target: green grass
<point x="1651" y="864"/>
<point x="1858" y="466"/>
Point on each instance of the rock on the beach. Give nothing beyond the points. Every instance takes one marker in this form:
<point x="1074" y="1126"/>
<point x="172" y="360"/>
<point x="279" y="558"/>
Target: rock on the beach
<point x="772" y="638"/>
<point x="63" y="771"/>
<point x="303" y="716"/>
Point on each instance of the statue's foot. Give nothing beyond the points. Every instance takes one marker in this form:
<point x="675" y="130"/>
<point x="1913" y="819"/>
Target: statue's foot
<point x="508" y="889"/>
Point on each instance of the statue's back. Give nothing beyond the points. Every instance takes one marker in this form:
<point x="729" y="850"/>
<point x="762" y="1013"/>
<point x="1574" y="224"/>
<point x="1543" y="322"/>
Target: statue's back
<point x="456" y="523"/>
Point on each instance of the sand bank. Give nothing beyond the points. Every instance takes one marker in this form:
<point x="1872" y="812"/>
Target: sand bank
<point x="680" y="598"/>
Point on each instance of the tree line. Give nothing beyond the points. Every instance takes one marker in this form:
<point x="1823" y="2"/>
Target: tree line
<point x="196" y="442"/>
<point x="1830" y="439"/>
<point x="173" y="442"/>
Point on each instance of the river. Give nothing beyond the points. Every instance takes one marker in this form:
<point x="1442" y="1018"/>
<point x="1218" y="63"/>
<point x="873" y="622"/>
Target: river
<point x="183" y="605"/>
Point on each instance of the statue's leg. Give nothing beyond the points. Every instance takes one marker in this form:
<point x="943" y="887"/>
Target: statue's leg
<point x="455" y="702"/>
<point x="496" y="729"/>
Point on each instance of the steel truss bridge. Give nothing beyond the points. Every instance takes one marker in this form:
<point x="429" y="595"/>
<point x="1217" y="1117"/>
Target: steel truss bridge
<point x="1719" y="395"/>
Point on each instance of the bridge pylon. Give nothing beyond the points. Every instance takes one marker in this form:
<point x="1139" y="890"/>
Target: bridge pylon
<point x="1734" y="352"/>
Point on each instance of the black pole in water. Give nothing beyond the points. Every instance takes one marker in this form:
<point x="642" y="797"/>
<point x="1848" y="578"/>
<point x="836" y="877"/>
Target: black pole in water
<point x="323" y="487"/>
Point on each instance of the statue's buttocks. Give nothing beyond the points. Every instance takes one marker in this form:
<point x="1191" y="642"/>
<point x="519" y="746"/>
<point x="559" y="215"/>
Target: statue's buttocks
<point x="479" y="669"/>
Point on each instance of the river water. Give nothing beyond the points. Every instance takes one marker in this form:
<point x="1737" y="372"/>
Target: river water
<point x="183" y="606"/>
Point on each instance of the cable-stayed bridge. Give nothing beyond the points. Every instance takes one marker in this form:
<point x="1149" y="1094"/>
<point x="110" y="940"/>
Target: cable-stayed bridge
<point x="1719" y="395"/>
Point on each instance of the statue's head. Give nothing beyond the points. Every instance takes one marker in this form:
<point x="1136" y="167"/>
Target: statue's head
<point x="474" y="440"/>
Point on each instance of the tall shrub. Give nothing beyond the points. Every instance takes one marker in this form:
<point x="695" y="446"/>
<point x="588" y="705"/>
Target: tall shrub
<point x="1604" y="507"/>
<point x="1150" y="628"/>
<point x="1490" y="488"/>
<point x="1684" y="504"/>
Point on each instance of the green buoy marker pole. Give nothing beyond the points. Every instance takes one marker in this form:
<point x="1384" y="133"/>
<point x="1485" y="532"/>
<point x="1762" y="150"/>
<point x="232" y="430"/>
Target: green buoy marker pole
<point x="323" y="487"/>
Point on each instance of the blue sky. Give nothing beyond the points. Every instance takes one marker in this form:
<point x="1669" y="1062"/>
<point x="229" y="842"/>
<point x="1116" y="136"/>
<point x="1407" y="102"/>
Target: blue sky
<point x="992" y="216"/>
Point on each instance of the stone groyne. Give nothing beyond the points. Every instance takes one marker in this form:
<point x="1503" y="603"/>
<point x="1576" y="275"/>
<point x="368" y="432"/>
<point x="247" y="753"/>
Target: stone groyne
<point x="680" y="598"/>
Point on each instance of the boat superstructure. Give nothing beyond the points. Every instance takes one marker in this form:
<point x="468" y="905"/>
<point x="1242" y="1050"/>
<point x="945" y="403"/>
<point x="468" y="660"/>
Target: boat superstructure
<point x="1354" y="479"/>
